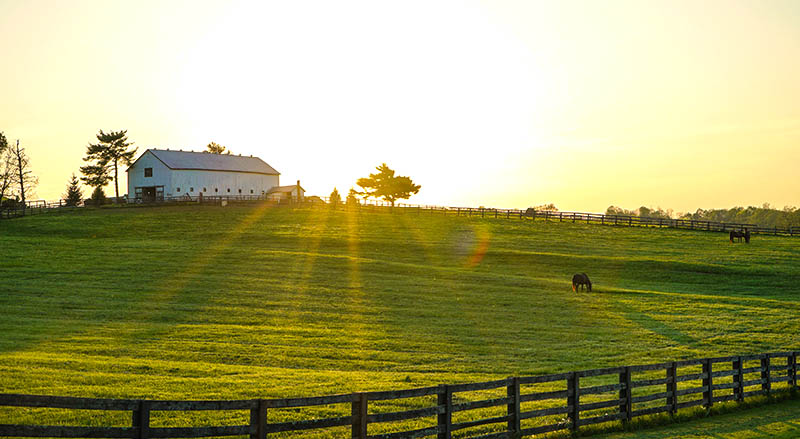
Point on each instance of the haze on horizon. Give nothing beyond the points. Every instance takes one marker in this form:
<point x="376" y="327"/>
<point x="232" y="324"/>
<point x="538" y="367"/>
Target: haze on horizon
<point x="677" y="104"/>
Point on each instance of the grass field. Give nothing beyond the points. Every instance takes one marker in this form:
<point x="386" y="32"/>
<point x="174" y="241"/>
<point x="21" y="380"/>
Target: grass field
<point x="243" y="302"/>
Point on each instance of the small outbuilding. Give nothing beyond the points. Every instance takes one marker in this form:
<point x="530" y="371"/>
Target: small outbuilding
<point x="162" y="173"/>
<point x="293" y="193"/>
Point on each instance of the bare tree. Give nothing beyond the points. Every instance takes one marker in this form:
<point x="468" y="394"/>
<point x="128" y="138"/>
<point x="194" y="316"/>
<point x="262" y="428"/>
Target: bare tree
<point x="6" y="168"/>
<point x="6" y="174"/>
<point x="23" y="175"/>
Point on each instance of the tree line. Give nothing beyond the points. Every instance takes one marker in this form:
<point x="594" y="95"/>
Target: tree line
<point x="764" y="216"/>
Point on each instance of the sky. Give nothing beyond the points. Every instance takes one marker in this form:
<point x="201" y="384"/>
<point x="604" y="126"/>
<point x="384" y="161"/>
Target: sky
<point x="584" y="104"/>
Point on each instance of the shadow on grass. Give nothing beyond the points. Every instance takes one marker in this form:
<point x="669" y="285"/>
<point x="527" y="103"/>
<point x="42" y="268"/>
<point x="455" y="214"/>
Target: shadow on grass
<point x="760" y="418"/>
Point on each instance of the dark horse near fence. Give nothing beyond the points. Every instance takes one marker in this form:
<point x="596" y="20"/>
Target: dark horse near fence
<point x="739" y="235"/>
<point x="579" y="280"/>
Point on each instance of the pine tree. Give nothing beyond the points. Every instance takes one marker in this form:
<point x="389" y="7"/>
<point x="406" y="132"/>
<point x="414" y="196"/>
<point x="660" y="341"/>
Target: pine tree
<point x="216" y="148"/>
<point x="352" y="200"/>
<point x="335" y="198"/>
<point x="98" y="196"/>
<point x="107" y="155"/>
<point x="74" y="194"/>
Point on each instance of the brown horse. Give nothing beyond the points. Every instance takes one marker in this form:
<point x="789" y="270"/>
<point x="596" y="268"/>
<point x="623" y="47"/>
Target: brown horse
<point x="581" y="280"/>
<point x="739" y="235"/>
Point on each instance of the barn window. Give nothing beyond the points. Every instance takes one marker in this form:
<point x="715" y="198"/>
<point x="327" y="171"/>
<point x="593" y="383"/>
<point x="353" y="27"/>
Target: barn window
<point x="148" y="172"/>
<point x="229" y="189"/>
<point x="216" y="190"/>
<point x="251" y="191"/>
<point x="178" y="190"/>
<point x="240" y="191"/>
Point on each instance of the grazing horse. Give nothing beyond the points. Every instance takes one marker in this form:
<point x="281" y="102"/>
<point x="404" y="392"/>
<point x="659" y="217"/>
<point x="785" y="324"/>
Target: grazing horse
<point x="581" y="280"/>
<point x="739" y="235"/>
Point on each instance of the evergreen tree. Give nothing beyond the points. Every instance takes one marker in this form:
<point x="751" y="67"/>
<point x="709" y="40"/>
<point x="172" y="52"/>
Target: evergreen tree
<point x="74" y="194"/>
<point x="216" y="148"/>
<point x="98" y="196"/>
<point x="107" y="155"/>
<point x="352" y="199"/>
<point x="335" y="198"/>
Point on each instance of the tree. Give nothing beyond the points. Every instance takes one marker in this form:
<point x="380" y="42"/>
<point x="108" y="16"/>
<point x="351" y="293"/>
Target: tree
<point x="385" y="185"/>
<point x="335" y="198"/>
<point x="352" y="199"/>
<point x="74" y="194"/>
<point x="6" y="168"/>
<point x="98" y="196"/>
<point x="546" y="208"/>
<point x="216" y="148"/>
<point x="107" y="156"/>
<point x="23" y="175"/>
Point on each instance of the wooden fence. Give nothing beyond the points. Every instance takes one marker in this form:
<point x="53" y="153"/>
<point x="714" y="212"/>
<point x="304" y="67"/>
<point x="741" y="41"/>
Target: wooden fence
<point x="603" y="219"/>
<point x="39" y="207"/>
<point x="575" y="399"/>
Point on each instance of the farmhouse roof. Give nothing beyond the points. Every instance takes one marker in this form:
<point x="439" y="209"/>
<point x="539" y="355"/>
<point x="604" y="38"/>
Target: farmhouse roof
<point x="207" y="161"/>
<point x="284" y="189"/>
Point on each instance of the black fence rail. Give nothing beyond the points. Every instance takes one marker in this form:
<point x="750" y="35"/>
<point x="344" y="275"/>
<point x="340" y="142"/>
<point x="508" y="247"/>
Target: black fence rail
<point x="39" y="207"/>
<point x="527" y="406"/>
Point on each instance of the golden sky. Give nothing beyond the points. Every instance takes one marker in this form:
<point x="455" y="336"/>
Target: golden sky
<point x="678" y="104"/>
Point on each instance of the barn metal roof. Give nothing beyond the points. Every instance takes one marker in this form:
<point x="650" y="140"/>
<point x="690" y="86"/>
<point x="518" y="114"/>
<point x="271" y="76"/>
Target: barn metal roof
<point x="212" y="162"/>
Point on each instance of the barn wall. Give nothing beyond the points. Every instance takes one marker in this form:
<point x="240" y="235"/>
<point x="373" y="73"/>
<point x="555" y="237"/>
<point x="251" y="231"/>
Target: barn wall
<point x="220" y="180"/>
<point x="136" y="178"/>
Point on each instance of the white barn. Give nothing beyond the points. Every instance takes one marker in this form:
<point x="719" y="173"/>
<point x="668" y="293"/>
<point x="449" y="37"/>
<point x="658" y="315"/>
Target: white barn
<point x="164" y="173"/>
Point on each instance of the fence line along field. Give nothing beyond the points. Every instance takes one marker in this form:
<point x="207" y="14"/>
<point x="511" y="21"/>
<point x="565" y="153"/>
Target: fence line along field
<point x="206" y="302"/>
<point x="611" y="402"/>
<point x="41" y="206"/>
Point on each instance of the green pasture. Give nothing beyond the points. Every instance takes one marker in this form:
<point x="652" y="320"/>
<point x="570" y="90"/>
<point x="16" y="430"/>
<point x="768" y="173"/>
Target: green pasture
<point x="235" y="302"/>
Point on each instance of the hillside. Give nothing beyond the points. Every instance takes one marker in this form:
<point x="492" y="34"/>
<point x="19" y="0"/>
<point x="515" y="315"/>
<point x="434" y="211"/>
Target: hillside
<point x="239" y="302"/>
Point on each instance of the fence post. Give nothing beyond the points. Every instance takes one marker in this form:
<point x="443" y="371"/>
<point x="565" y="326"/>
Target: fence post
<point x="766" y="382"/>
<point x="141" y="420"/>
<point x="738" y="391"/>
<point x="359" y="412"/>
<point x="512" y="391"/>
<point x="445" y="420"/>
<point x="672" y="388"/>
<point x="792" y="361"/>
<point x="574" y="399"/>
<point x="708" y="393"/>
<point x="625" y="393"/>
<point x="258" y="420"/>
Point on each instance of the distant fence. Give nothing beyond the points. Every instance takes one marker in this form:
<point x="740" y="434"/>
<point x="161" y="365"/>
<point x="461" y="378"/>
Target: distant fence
<point x="578" y="400"/>
<point x="41" y="206"/>
<point x="592" y="218"/>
